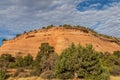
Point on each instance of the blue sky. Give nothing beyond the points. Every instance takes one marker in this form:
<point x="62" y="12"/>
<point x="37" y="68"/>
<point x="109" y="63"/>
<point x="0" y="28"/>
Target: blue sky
<point x="95" y="4"/>
<point x="17" y="16"/>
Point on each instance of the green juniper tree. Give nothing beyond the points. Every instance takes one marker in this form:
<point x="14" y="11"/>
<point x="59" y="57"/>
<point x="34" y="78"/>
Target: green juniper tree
<point x="45" y="59"/>
<point x="83" y="61"/>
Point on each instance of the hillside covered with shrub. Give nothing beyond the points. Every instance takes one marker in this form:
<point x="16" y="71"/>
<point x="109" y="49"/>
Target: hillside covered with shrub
<point x="74" y="62"/>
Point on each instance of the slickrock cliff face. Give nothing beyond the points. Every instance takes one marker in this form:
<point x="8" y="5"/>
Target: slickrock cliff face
<point x="58" y="37"/>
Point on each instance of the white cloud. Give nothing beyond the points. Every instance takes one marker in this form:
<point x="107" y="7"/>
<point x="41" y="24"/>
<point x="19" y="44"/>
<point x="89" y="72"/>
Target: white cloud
<point x="19" y="15"/>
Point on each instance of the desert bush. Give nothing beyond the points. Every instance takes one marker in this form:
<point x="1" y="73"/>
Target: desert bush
<point x="19" y="61"/>
<point x="18" y="71"/>
<point x="24" y="32"/>
<point x="67" y="26"/>
<point x="117" y="53"/>
<point x="47" y="75"/>
<point x="115" y="71"/>
<point x="65" y="76"/>
<point x="6" y="60"/>
<point x="50" y="26"/>
<point x="36" y="69"/>
<point x="7" y="57"/>
<point x="4" y="40"/>
<point x="112" y="61"/>
<point x="43" y="27"/>
<point x="28" y="60"/>
<point x="17" y="35"/>
<point x="3" y="74"/>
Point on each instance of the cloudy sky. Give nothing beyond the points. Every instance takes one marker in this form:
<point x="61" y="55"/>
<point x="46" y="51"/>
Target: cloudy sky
<point x="17" y="16"/>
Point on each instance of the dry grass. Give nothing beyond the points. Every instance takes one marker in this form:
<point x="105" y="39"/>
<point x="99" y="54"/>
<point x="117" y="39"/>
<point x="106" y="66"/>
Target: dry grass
<point x="38" y="78"/>
<point x="115" y="78"/>
<point x="28" y="78"/>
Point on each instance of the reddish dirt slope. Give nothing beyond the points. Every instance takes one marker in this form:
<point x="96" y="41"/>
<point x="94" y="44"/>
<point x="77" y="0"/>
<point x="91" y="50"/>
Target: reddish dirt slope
<point x="60" y="38"/>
